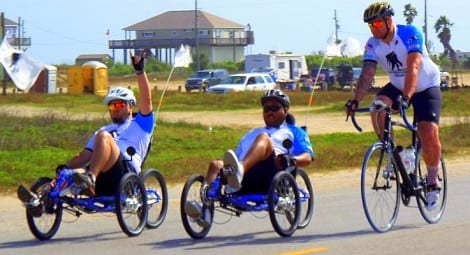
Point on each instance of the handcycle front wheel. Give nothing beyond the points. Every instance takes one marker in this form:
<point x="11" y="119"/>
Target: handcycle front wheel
<point x="284" y="204"/>
<point x="157" y="197"/>
<point x="434" y="215"/>
<point x="192" y="192"/>
<point x="380" y="189"/>
<point x="44" y="220"/>
<point x="131" y="204"/>
<point x="306" y="197"/>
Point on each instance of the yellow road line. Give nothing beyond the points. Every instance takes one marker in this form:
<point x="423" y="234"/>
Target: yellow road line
<point x="305" y="251"/>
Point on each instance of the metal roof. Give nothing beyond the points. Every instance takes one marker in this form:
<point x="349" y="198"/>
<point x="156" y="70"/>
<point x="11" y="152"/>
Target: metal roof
<point x="183" y="20"/>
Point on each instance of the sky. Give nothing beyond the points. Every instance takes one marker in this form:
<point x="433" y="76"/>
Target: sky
<point x="61" y="30"/>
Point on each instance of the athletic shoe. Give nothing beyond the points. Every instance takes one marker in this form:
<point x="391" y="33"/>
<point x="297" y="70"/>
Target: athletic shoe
<point x="432" y="197"/>
<point x="26" y="196"/>
<point x="86" y="182"/>
<point x="30" y="201"/>
<point x="195" y="210"/>
<point x="233" y="170"/>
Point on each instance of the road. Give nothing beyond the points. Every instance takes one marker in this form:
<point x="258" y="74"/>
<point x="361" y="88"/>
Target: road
<point x="338" y="227"/>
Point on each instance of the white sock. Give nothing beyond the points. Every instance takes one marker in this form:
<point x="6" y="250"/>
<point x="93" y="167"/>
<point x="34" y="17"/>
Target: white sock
<point x="433" y="177"/>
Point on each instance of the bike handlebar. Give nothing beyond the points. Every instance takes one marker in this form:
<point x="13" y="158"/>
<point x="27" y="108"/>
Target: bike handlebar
<point x="404" y="117"/>
<point x="379" y="106"/>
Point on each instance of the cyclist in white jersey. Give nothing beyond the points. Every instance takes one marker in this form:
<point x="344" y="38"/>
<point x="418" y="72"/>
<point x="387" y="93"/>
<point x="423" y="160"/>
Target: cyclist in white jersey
<point x="255" y="161"/>
<point x="401" y="52"/>
<point x="106" y="151"/>
<point x="104" y="156"/>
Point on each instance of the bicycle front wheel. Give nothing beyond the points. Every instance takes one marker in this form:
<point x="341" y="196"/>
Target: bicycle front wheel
<point x="433" y="215"/>
<point x="380" y="190"/>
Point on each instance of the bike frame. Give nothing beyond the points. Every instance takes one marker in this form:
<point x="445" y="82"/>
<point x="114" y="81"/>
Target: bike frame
<point x="64" y="190"/>
<point x="409" y="184"/>
<point x="245" y="202"/>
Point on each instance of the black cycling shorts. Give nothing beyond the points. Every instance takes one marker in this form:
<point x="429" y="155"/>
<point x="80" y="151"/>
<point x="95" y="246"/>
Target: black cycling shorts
<point x="258" y="179"/>
<point x="107" y="182"/>
<point x="427" y="104"/>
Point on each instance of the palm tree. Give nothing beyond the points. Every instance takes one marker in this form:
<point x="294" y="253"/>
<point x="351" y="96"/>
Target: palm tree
<point x="442" y="27"/>
<point x="410" y="13"/>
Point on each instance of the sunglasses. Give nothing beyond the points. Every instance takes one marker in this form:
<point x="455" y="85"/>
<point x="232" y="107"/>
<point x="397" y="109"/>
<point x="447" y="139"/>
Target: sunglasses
<point x="271" y="108"/>
<point x="116" y="105"/>
<point x="376" y="24"/>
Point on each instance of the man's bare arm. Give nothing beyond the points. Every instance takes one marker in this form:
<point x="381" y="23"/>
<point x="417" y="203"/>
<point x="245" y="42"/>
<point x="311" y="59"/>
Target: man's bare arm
<point x="366" y="79"/>
<point x="145" y="94"/>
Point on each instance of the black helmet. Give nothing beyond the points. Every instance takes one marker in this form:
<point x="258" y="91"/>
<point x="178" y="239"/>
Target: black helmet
<point x="277" y="95"/>
<point x="378" y="10"/>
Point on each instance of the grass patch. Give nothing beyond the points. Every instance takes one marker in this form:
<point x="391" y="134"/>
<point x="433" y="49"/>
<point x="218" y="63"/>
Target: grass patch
<point x="33" y="147"/>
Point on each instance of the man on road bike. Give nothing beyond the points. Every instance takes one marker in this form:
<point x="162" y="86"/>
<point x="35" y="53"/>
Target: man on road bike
<point x="256" y="160"/>
<point x="105" y="153"/>
<point x="401" y="52"/>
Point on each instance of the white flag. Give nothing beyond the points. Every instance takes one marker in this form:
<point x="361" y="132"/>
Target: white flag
<point x="332" y="48"/>
<point x="22" y="70"/>
<point x="183" y="57"/>
<point x="351" y="47"/>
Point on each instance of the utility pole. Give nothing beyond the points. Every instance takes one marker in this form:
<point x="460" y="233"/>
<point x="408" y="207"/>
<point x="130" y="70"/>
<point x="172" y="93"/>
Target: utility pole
<point x="4" y="82"/>
<point x="426" y="24"/>
<point x="196" y="31"/>
<point x="335" y="18"/>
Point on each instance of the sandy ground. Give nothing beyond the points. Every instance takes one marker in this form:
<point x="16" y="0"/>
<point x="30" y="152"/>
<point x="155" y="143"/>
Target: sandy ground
<point x="316" y="123"/>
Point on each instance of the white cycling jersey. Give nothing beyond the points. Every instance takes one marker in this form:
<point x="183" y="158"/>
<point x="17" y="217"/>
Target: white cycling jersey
<point x="299" y="138"/>
<point x="392" y="57"/>
<point x="136" y="133"/>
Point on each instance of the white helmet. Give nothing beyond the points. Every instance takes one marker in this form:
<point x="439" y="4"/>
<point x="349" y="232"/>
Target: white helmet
<point x="120" y="93"/>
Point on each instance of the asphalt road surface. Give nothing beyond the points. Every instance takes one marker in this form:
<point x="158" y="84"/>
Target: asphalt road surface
<point x="338" y="226"/>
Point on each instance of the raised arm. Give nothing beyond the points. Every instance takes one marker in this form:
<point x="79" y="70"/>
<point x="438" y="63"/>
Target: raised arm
<point x="145" y="94"/>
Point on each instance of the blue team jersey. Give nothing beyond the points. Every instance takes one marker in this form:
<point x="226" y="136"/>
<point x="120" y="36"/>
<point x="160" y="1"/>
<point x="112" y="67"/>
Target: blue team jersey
<point x="300" y="139"/>
<point x="392" y="57"/>
<point x="136" y="133"/>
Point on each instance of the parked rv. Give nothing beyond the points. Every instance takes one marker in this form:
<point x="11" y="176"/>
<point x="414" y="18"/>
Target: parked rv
<point x="284" y="68"/>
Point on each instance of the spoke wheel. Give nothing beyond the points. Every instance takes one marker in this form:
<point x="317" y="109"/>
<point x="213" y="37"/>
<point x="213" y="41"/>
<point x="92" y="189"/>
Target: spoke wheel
<point x="131" y="204"/>
<point x="44" y="219"/>
<point x="192" y="192"/>
<point x="306" y="197"/>
<point x="380" y="190"/>
<point x="434" y="215"/>
<point x="157" y="197"/>
<point x="284" y="204"/>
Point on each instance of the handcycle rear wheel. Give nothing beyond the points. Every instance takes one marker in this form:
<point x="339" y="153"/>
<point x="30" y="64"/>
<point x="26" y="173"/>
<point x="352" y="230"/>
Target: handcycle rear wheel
<point x="131" y="204"/>
<point x="284" y="204"/>
<point x="157" y="197"/>
<point x="44" y="220"/>
<point x="306" y="197"/>
<point x="192" y="192"/>
<point x="380" y="190"/>
<point x="435" y="215"/>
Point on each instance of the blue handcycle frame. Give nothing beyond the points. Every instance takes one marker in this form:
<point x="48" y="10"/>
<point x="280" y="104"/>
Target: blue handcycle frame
<point x="215" y="197"/>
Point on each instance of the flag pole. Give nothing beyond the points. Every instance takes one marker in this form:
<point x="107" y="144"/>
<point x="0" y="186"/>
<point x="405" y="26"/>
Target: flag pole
<point x="310" y="99"/>
<point x="163" y="94"/>
<point x="182" y="59"/>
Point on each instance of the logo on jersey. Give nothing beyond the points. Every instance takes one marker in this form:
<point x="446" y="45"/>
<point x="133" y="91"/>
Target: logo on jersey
<point x="393" y="61"/>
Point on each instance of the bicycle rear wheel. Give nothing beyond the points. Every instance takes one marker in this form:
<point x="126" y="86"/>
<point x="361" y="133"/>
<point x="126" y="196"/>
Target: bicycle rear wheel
<point x="380" y="190"/>
<point x="157" y="197"/>
<point x="434" y="215"/>
<point x="306" y="197"/>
